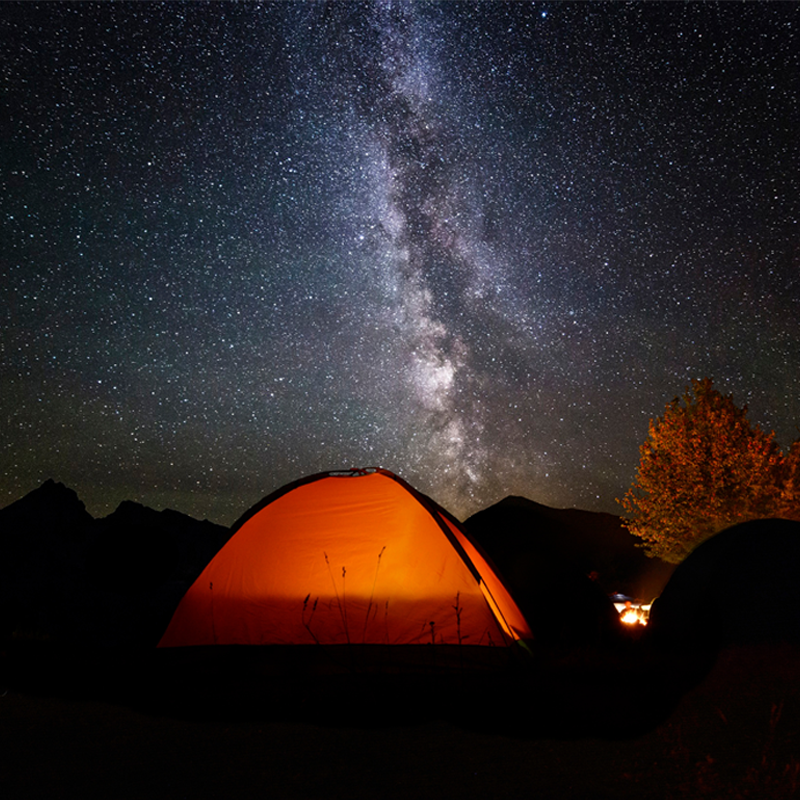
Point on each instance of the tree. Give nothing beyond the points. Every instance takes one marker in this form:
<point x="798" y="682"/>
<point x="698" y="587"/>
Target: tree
<point x="703" y="467"/>
<point x="789" y="503"/>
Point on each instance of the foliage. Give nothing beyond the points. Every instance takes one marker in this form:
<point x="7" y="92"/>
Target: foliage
<point x="704" y="467"/>
<point x="789" y="504"/>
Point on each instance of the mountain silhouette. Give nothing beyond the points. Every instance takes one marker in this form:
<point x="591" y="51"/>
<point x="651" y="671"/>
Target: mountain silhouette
<point x="67" y="577"/>
<point x="561" y="565"/>
<point x="587" y="542"/>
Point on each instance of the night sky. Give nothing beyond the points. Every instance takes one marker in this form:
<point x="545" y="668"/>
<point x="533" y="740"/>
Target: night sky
<point x="480" y="245"/>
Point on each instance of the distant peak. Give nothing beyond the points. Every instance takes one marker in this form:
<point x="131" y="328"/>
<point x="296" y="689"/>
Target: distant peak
<point x="51" y="501"/>
<point x="54" y="489"/>
<point x="519" y="500"/>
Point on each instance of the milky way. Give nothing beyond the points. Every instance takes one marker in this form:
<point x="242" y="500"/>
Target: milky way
<point x="477" y="244"/>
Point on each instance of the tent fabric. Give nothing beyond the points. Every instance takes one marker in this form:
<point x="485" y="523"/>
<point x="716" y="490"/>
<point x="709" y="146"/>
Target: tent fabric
<point x="738" y="587"/>
<point x="347" y="558"/>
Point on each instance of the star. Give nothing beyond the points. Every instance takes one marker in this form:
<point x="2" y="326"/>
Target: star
<point x="480" y="245"/>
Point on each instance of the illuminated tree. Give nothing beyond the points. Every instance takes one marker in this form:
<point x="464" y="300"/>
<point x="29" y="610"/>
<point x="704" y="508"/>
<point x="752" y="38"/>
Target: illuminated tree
<point x="703" y="467"/>
<point x="789" y="504"/>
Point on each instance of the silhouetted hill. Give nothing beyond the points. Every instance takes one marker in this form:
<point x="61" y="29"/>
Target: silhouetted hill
<point x="585" y="542"/>
<point x="68" y="577"/>
<point x="51" y="511"/>
<point x="41" y="538"/>
<point x="136" y="548"/>
<point x="560" y="566"/>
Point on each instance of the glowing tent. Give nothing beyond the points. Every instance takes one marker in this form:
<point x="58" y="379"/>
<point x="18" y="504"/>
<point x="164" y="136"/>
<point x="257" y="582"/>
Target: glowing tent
<point x="347" y="558"/>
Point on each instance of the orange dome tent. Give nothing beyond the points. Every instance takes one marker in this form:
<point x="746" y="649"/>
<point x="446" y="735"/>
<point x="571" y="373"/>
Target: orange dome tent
<point x="347" y="558"/>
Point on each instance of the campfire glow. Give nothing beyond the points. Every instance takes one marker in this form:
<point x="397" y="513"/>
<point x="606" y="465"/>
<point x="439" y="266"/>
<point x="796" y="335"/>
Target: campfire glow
<point x="633" y="614"/>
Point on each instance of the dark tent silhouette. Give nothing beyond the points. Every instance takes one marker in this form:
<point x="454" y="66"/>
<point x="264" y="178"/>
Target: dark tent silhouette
<point x="740" y="586"/>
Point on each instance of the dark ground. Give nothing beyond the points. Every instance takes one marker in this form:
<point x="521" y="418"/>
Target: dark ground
<point x="588" y="726"/>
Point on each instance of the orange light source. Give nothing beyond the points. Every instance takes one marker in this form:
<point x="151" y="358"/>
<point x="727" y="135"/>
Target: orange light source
<point x="631" y="616"/>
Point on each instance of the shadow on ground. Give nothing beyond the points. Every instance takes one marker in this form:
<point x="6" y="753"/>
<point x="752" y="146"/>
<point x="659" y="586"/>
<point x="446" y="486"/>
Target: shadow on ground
<point x="616" y="691"/>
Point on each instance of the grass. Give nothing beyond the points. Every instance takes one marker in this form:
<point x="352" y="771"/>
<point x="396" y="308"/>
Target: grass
<point x="738" y="734"/>
<point x="769" y="776"/>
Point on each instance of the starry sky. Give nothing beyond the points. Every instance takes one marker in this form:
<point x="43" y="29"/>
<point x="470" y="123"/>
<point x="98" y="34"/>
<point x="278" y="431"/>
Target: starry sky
<point x="478" y="244"/>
